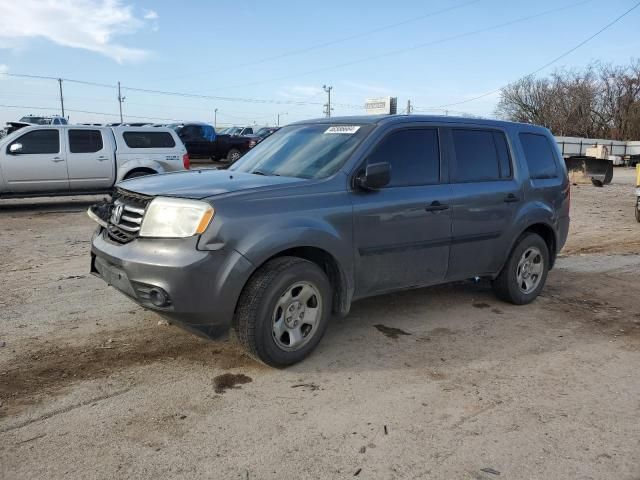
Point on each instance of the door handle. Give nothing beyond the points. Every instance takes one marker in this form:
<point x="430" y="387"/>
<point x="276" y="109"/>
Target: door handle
<point x="57" y="159"/>
<point x="102" y="159"/>
<point x="511" y="198"/>
<point x="436" y="206"/>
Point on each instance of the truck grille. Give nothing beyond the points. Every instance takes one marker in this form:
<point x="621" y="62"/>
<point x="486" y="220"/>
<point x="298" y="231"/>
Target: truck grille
<point x="126" y="217"/>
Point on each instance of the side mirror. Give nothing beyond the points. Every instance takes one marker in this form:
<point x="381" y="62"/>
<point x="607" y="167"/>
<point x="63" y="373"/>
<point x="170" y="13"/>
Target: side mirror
<point x="376" y="176"/>
<point x="15" y="148"/>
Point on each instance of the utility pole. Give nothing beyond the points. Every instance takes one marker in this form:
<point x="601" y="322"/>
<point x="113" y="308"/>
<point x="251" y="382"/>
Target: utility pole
<point x="409" y="107"/>
<point x="120" y="100"/>
<point x="327" y="105"/>
<point x="283" y="114"/>
<point x="215" y="118"/>
<point x="61" y="98"/>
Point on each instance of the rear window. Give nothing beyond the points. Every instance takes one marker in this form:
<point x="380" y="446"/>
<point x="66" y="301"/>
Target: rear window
<point x="481" y="155"/>
<point x="85" y="141"/>
<point x="538" y="153"/>
<point x="148" y="140"/>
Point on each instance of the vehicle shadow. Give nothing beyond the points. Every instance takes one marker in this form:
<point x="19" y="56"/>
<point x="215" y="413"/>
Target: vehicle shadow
<point x="435" y="329"/>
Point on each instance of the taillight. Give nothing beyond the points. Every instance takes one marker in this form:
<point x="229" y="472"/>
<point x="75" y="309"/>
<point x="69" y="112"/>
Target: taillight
<point x="252" y="143"/>
<point x="186" y="161"/>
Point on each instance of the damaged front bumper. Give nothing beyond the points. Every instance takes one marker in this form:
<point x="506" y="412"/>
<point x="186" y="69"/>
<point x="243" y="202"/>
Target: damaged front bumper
<point x="195" y="289"/>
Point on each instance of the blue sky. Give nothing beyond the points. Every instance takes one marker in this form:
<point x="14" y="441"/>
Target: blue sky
<point x="284" y="51"/>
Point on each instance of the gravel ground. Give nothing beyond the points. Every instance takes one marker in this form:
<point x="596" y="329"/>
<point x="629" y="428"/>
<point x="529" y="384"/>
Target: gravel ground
<point x="445" y="382"/>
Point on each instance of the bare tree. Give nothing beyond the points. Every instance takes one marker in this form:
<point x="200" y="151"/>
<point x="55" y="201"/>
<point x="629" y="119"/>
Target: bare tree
<point x="600" y="101"/>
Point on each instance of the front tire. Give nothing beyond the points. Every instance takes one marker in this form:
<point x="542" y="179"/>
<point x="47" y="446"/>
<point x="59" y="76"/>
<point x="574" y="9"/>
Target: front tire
<point x="523" y="276"/>
<point x="283" y="311"/>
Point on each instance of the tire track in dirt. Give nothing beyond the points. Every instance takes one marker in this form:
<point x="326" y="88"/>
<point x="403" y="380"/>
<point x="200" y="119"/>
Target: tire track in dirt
<point x="49" y="368"/>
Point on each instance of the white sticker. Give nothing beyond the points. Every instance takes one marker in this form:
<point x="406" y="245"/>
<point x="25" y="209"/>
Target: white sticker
<point x="344" y="129"/>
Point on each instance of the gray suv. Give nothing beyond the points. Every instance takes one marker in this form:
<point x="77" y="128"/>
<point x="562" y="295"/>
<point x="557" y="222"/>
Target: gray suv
<point x="328" y="211"/>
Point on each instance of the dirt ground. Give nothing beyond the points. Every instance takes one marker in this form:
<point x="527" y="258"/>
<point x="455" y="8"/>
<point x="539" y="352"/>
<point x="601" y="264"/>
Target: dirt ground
<point x="442" y="383"/>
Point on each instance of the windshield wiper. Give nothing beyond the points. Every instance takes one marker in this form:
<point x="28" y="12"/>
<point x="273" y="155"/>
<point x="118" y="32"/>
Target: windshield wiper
<point x="259" y="172"/>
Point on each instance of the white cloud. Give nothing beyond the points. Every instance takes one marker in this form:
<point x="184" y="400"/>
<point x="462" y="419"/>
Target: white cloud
<point x="151" y="15"/>
<point x="86" y="24"/>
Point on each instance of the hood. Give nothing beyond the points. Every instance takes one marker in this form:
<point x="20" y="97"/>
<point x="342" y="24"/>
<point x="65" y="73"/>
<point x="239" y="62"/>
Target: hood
<point x="198" y="184"/>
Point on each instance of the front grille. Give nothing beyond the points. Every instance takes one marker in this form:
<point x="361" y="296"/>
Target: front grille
<point x="126" y="216"/>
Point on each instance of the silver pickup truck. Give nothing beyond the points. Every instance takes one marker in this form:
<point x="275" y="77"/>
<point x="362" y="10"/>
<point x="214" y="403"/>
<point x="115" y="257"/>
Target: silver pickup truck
<point x="75" y="159"/>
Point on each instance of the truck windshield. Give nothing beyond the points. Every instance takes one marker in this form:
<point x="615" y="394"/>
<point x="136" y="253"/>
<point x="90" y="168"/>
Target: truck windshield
<point x="303" y="151"/>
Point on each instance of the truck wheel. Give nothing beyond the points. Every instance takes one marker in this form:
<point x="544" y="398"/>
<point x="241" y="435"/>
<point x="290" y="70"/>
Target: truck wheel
<point x="233" y="155"/>
<point x="523" y="276"/>
<point x="283" y="311"/>
<point x="638" y="209"/>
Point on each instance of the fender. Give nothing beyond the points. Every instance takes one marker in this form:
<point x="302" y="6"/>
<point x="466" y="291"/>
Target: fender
<point x="129" y="165"/>
<point x="532" y="214"/>
<point x="271" y="239"/>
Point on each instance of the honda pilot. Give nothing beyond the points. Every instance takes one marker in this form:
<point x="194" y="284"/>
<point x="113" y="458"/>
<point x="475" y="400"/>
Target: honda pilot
<point x="326" y="212"/>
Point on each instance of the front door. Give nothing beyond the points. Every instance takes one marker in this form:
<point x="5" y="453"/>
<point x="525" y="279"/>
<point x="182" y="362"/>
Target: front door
<point x="90" y="160"/>
<point x="402" y="231"/>
<point x="484" y="197"/>
<point x="39" y="165"/>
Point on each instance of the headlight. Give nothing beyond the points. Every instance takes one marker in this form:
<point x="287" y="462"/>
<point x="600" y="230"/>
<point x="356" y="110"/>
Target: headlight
<point x="175" y="218"/>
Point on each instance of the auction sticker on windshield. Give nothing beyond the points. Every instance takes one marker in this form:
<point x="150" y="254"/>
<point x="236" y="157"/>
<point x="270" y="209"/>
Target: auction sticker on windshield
<point x="344" y="129"/>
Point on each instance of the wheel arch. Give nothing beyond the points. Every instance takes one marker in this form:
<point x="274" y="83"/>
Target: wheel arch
<point x="328" y="263"/>
<point x="544" y="230"/>
<point x="134" y="165"/>
<point x="148" y="170"/>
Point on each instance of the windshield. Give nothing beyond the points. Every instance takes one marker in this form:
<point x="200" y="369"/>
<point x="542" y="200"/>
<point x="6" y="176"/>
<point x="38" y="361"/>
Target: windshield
<point x="303" y="151"/>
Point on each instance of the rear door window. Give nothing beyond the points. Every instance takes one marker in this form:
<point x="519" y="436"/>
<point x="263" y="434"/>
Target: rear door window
<point x="39" y="142"/>
<point x="481" y="155"/>
<point x="539" y="155"/>
<point x="85" y="141"/>
<point x="413" y="154"/>
<point x="148" y="139"/>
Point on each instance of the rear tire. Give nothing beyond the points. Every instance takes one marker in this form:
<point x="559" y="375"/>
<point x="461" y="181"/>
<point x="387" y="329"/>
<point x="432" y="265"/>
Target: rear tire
<point x="523" y="276"/>
<point x="233" y="155"/>
<point x="283" y="311"/>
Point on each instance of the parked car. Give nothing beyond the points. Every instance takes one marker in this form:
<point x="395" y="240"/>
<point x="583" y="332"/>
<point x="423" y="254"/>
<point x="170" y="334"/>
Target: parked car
<point x="238" y="131"/>
<point x="263" y="133"/>
<point x="75" y="159"/>
<point x="329" y="211"/>
<point x="202" y="140"/>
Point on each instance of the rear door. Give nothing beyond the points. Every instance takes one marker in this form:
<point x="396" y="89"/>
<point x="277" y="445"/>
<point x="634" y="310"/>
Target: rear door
<point x="402" y="231"/>
<point x="90" y="160"/>
<point x="485" y="194"/>
<point x="39" y="166"/>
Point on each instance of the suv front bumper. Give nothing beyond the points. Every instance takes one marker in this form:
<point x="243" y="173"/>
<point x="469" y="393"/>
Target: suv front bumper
<point x="201" y="287"/>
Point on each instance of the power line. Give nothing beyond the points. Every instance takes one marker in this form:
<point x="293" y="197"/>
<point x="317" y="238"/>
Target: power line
<point x="30" y="107"/>
<point x="548" y="64"/>
<point x="330" y="42"/>
<point x="408" y="49"/>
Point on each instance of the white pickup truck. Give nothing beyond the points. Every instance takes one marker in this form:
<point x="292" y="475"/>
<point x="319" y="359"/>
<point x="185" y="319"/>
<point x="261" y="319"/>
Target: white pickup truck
<point x="46" y="160"/>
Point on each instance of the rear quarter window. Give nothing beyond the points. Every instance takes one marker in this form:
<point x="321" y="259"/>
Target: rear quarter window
<point x="539" y="155"/>
<point x="149" y="140"/>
